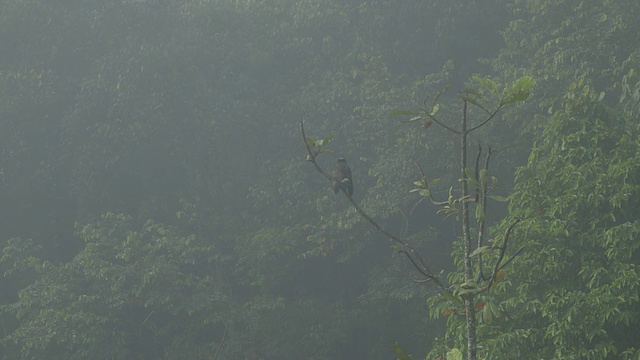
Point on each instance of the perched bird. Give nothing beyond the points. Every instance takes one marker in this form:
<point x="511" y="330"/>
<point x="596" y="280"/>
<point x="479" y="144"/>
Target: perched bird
<point x="341" y="177"/>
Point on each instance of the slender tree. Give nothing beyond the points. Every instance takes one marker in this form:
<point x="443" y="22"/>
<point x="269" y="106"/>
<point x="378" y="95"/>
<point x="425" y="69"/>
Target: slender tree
<point x="462" y="294"/>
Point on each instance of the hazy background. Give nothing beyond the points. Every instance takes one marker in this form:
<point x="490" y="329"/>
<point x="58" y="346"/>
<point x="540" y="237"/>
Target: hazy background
<point x="155" y="201"/>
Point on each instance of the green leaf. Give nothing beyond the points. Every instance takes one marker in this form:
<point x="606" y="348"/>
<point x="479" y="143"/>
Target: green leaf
<point x="487" y="83"/>
<point x="520" y="90"/>
<point x="487" y="315"/>
<point x="425" y="192"/>
<point x="311" y="141"/>
<point x="454" y="354"/>
<point x="457" y="300"/>
<point x="499" y="198"/>
<point x="473" y="101"/>
<point x="434" y="109"/>
<point x="400" y="353"/>
<point x="516" y="97"/>
<point x="524" y="83"/>
<point x="434" y="182"/>
<point x="327" y="139"/>
<point x="466" y="291"/>
<point x="484" y="176"/>
<point x="473" y="92"/>
<point x="480" y="215"/>
<point x="480" y="250"/>
<point x="471" y="178"/>
<point x="439" y="93"/>
<point x="490" y="311"/>
<point x="470" y="284"/>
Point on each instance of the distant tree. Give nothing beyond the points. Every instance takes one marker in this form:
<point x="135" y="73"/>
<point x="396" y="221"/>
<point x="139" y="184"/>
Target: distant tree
<point x="132" y="293"/>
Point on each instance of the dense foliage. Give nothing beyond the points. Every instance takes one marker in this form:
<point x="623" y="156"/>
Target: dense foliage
<point x="155" y="201"/>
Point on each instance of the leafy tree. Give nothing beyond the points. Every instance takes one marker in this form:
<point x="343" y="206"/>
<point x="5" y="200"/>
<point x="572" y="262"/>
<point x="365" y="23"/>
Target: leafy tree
<point x="472" y="283"/>
<point x="137" y="293"/>
<point x="576" y="284"/>
<point x="559" y="43"/>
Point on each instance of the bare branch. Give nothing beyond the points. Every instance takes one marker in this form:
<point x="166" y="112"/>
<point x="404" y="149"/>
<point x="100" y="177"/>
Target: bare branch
<point x="415" y="258"/>
<point x="503" y="248"/>
<point x="491" y="116"/>
<point x="433" y="118"/>
<point x="410" y="251"/>
<point x="428" y="275"/>
<point x="511" y="258"/>
<point x="224" y="334"/>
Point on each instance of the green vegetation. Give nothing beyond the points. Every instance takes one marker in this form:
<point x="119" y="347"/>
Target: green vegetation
<point x="461" y="295"/>
<point x="156" y="203"/>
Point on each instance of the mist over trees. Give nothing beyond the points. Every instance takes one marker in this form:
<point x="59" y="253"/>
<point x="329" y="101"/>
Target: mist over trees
<point x="156" y="201"/>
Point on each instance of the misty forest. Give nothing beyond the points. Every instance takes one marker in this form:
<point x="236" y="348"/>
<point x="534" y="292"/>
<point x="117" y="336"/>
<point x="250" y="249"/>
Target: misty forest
<point x="323" y="180"/>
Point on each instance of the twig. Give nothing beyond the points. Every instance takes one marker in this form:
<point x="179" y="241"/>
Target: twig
<point x="503" y="248"/>
<point x="491" y="115"/>
<point x="433" y="118"/>
<point x="224" y="334"/>
<point x="312" y="155"/>
<point x="511" y="258"/>
<point x="423" y="176"/>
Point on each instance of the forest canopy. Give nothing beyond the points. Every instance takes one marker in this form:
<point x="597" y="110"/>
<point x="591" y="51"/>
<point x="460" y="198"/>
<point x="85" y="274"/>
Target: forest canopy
<point x="156" y="201"/>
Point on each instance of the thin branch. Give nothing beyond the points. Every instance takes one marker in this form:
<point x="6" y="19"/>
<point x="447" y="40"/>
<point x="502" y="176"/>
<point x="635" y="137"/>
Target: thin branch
<point x="409" y="248"/>
<point x="491" y="116"/>
<point x="511" y="258"/>
<point x="410" y="251"/>
<point x="503" y="248"/>
<point x="423" y="176"/>
<point x="416" y="205"/>
<point x="499" y="265"/>
<point x="224" y="334"/>
<point x="410" y="277"/>
<point x="433" y="118"/>
<point x="426" y="274"/>
<point x="312" y="155"/>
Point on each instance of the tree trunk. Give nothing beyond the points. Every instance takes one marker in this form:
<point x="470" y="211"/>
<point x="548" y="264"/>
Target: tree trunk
<point x="469" y="310"/>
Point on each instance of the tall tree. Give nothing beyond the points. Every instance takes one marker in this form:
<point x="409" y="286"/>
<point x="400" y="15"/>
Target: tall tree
<point x="488" y="99"/>
<point x="576" y="286"/>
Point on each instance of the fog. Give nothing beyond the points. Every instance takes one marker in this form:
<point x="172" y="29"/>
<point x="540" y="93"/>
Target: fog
<point x="157" y="200"/>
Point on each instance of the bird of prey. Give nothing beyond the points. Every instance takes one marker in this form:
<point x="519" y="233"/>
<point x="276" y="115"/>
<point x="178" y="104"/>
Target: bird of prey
<point x="341" y="177"/>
